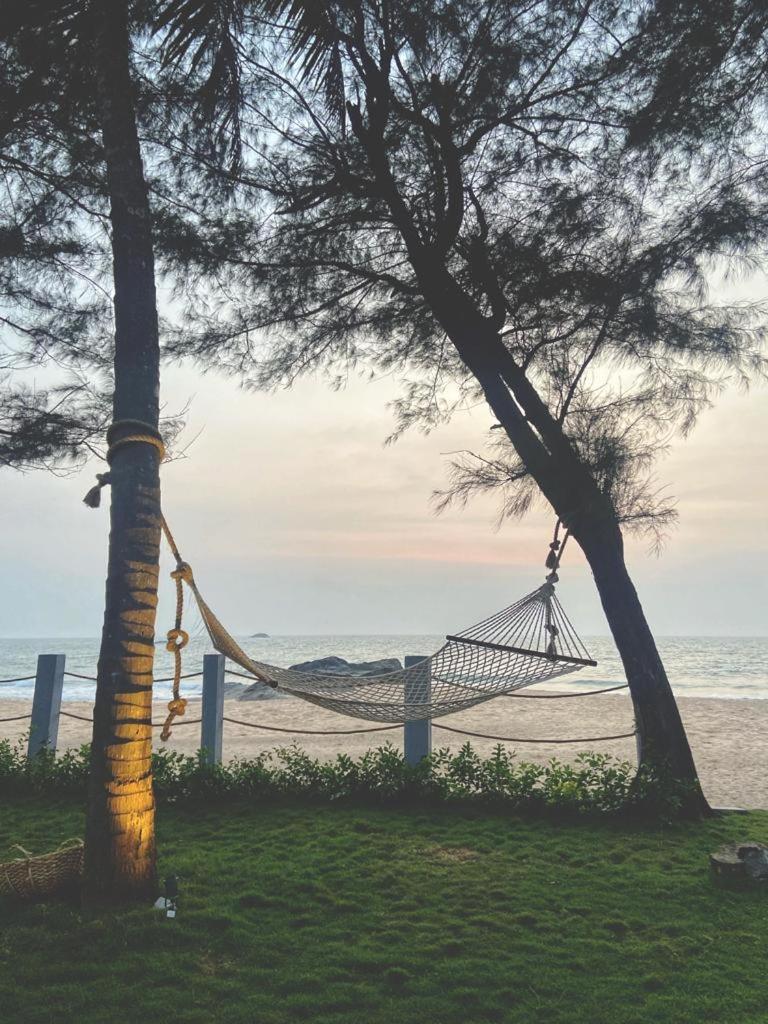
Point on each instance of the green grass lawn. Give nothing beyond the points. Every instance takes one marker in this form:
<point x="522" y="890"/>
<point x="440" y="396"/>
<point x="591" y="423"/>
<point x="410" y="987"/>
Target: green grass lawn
<point x="339" y="914"/>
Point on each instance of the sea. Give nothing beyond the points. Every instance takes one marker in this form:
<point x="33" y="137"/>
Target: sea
<point x="732" y="667"/>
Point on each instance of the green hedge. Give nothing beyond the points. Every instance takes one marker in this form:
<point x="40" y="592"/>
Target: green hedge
<point x="593" y="784"/>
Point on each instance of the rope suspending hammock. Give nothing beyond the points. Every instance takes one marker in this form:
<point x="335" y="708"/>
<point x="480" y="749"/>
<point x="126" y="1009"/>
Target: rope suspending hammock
<point x="531" y="641"/>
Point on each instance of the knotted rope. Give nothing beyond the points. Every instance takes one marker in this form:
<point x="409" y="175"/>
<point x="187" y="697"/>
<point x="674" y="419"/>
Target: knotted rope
<point x="143" y="433"/>
<point x="140" y="432"/>
<point x="556" y="551"/>
<point x="178" y="639"/>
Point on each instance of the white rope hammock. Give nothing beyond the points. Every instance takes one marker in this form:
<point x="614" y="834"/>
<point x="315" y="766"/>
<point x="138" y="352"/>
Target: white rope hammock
<point x="529" y="642"/>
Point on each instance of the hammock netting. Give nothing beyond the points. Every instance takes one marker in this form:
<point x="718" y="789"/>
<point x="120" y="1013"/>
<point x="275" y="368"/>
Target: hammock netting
<point x="531" y="641"/>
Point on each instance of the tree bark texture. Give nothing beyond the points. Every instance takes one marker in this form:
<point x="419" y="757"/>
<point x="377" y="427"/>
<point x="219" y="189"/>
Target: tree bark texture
<point x="663" y="740"/>
<point x="120" y="832"/>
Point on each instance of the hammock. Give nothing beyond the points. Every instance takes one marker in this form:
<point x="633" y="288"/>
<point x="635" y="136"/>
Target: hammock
<point x="531" y="641"/>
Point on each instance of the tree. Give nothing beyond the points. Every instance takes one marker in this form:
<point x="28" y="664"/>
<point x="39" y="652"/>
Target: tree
<point x="72" y="62"/>
<point x="120" y="836"/>
<point x="474" y="209"/>
<point x="74" y="166"/>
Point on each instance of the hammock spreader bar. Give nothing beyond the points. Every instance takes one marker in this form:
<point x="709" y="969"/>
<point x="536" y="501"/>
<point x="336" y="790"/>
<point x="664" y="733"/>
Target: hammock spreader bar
<point x="521" y="650"/>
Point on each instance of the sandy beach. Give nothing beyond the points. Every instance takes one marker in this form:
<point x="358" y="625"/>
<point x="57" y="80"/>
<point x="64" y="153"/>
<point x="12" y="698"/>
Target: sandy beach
<point x="729" y="737"/>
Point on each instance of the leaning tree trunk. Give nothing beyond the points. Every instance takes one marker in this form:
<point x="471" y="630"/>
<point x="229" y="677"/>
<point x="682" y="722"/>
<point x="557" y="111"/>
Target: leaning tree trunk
<point x="545" y="449"/>
<point x="662" y="738"/>
<point x="120" y="831"/>
<point x="575" y="497"/>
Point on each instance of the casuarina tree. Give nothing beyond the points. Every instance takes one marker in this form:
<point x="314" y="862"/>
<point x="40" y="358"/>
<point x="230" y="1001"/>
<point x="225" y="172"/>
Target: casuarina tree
<point x="452" y="188"/>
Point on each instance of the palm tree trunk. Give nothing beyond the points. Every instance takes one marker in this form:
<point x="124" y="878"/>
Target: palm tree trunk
<point x="120" y="831"/>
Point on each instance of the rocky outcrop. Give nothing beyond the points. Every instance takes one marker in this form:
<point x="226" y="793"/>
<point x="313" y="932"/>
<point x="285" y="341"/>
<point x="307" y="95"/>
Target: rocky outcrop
<point x="333" y="666"/>
<point x="340" y="667"/>
<point x="259" y="691"/>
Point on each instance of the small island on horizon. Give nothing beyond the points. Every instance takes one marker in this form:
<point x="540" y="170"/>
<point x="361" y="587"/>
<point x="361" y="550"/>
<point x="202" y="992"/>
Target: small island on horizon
<point x="259" y="636"/>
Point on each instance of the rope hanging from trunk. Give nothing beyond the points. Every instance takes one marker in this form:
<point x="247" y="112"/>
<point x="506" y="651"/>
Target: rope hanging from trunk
<point x="177" y="639"/>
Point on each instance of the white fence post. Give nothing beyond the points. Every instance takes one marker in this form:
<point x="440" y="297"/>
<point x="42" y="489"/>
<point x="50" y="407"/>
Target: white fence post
<point x="417" y="733"/>
<point x="46" y="703"/>
<point x="212" y="726"/>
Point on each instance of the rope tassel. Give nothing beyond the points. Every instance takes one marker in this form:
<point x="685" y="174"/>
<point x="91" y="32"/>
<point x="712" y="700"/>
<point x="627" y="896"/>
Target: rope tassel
<point x="93" y="497"/>
<point x="147" y="435"/>
<point x="178" y="639"/>
<point x="552" y="557"/>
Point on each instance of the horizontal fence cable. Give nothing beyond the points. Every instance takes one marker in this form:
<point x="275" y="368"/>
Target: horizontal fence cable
<point x="19" y="679"/>
<point x="176" y="724"/>
<point x="15" y="718"/>
<point x="518" y="739"/>
<point x="311" y="732"/>
<point x="80" y="718"/>
<point x="92" y="679"/>
<point x="155" y="725"/>
<point x="169" y="679"/>
<point x="560" y="696"/>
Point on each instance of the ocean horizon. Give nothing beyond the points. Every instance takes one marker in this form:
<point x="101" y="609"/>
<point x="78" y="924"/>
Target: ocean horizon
<point x="732" y="667"/>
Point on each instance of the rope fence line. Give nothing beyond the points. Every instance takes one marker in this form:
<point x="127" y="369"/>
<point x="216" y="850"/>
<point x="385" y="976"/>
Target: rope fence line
<point x="311" y="732"/>
<point x="341" y="732"/>
<point x="517" y="739"/>
<point x="155" y="725"/>
<point x="92" y="679"/>
<point x="354" y="732"/>
<point x="560" y="696"/>
<point x="247" y="675"/>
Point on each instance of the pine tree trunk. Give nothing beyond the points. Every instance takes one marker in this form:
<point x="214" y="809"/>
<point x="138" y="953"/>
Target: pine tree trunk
<point x="120" y="831"/>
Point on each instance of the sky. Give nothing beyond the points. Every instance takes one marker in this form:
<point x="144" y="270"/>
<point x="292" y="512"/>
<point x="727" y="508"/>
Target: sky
<point x="298" y="519"/>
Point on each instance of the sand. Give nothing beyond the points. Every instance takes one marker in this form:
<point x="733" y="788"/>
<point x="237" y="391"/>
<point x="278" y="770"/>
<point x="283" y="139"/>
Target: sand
<point x="729" y="738"/>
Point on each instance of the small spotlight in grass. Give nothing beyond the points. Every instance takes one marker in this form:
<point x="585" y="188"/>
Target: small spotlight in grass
<point x="169" y="901"/>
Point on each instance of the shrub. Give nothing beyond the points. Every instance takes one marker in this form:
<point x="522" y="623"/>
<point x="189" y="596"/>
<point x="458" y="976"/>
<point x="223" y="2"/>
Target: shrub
<point x="592" y="784"/>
